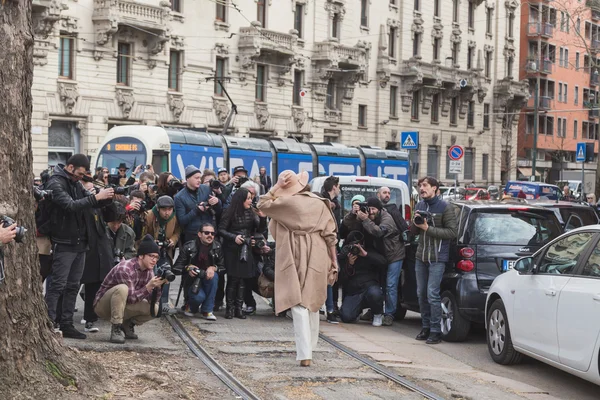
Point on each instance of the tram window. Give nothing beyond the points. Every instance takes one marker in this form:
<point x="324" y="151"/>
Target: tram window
<point x="160" y="161"/>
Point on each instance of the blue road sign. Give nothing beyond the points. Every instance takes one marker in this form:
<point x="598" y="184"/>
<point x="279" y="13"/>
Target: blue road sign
<point x="409" y="140"/>
<point x="580" y="153"/>
<point x="455" y="152"/>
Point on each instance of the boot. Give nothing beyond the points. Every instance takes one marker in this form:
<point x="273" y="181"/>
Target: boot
<point x="239" y="299"/>
<point x="116" y="334"/>
<point x="230" y="298"/>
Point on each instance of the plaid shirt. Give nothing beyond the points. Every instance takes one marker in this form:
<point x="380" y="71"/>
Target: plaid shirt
<point x="127" y="272"/>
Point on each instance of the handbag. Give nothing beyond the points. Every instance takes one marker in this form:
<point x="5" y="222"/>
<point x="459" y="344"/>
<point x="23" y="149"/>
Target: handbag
<point x="266" y="288"/>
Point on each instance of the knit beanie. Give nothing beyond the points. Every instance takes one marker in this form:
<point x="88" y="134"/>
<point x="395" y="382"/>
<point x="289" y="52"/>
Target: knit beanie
<point x="147" y="246"/>
<point x="358" y="197"/>
<point x="374" y="202"/>
<point x="191" y="170"/>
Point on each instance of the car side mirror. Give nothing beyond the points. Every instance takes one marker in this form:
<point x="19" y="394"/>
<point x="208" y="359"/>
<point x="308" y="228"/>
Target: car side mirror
<point x="524" y="265"/>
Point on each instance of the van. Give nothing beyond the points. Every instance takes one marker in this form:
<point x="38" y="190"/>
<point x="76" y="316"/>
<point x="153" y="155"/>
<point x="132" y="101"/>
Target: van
<point x="367" y="186"/>
<point x="533" y="190"/>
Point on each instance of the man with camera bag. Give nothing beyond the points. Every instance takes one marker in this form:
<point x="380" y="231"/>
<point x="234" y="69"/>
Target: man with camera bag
<point x="123" y="296"/>
<point x="200" y="262"/>
<point x="122" y="236"/>
<point x="435" y="223"/>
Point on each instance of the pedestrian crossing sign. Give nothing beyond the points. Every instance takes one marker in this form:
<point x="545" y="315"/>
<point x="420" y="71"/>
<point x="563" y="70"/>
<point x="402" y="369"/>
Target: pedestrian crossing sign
<point x="580" y="153"/>
<point x="409" y="140"/>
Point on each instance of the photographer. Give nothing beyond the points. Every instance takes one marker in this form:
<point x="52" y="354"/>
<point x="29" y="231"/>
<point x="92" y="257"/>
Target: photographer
<point x="435" y="223"/>
<point x="8" y="234"/>
<point x="136" y="213"/>
<point x="380" y="224"/>
<point x="68" y="232"/>
<point x="42" y="222"/>
<point x="121" y="178"/>
<point x="261" y="251"/>
<point x="193" y="205"/>
<point x="240" y="176"/>
<point x="167" y="185"/>
<point x="200" y="262"/>
<point x="351" y="222"/>
<point x="360" y="269"/>
<point x="122" y="236"/>
<point x="123" y="296"/>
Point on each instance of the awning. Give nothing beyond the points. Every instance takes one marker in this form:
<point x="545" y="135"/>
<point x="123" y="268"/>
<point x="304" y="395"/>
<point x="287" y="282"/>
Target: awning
<point x="527" y="171"/>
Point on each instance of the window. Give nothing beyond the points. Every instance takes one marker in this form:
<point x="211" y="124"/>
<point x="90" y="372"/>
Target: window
<point x="563" y="21"/>
<point x="298" y="81"/>
<point x="364" y="16"/>
<point x="577" y="61"/>
<point x="65" y="57"/>
<point x="486" y="116"/>
<point x="261" y="12"/>
<point x="174" y="70"/>
<point x="222" y="10"/>
<point x="584" y="130"/>
<point x="592" y="265"/>
<point x="176" y="5"/>
<point x="455" y="10"/>
<point x="362" y="115"/>
<point x="335" y="26"/>
<point x="435" y="108"/>
<point x="564" y="127"/>
<point x="330" y="102"/>
<point x="437" y="42"/>
<point x="575" y="129"/>
<point x="219" y="74"/>
<point x="470" y="52"/>
<point x="566" y="59"/>
<point x="261" y="83"/>
<point x="414" y="107"/>
<point x="578" y="25"/>
<point x="550" y="126"/>
<point x="561" y="57"/>
<point x="123" y="63"/>
<point x="488" y="21"/>
<point x="555" y="262"/>
<point x="511" y="25"/>
<point x="417" y="5"/>
<point x="488" y="64"/>
<point x="392" y="42"/>
<point x="416" y="44"/>
<point x="560" y="91"/>
<point x="471" y="15"/>
<point x="433" y="156"/>
<point x="510" y="228"/>
<point x="453" y="111"/>
<point x="559" y="132"/>
<point x="436" y="8"/>
<point x="485" y="159"/>
<point x="393" y="101"/>
<point x="63" y="141"/>
<point x="469" y="158"/>
<point x="455" y="53"/>
<point x="471" y="114"/>
<point x="565" y="91"/>
<point x="298" y="19"/>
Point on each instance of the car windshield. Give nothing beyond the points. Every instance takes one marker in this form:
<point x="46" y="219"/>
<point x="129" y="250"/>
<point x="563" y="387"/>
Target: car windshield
<point x="576" y="216"/>
<point x="347" y="192"/>
<point x="573" y="186"/>
<point x="444" y="190"/>
<point x="508" y="227"/>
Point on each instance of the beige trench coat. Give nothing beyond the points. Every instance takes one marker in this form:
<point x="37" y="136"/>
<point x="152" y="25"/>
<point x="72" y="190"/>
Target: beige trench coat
<point x="304" y="228"/>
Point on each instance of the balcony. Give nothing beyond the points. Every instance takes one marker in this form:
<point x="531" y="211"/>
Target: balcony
<point x="543" y="29"/>
<point x="346" y="57"/>
<point x="593" y="110"/>
<point x="544" y="102"/>
<point x="535" y="66"/>
<point x="255" y="41"/>
<point x="108" y="14"/>
<point x="595" y="44"/>
<point x="594" y="78"/>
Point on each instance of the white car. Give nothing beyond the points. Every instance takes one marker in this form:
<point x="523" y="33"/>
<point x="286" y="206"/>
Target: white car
<point x="548" y="306"/>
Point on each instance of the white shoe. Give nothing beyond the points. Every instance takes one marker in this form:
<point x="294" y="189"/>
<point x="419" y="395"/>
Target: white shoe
<point x="209" y="316"/>
<point x="189" y="314"/>
<point x="377" y="319"/>
<point x="83" y="321"/>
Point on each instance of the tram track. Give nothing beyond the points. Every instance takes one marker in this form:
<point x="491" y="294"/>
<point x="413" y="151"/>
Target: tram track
<point x="243" y="392"/>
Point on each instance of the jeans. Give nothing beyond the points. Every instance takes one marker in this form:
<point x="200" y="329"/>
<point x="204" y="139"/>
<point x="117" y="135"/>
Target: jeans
<point x="205" y="296"/>
<point x="391" y="288"/>
<point x="90" y="294"/>
<point x="67" y="269"/>
<point x="429" y="279"/>
<point x="353" y="305"/>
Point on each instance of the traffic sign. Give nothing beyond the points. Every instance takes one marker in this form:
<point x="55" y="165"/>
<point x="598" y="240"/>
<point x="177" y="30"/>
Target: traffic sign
<point x="456" y="152"/>
<point x="409" y="140"/>
<point x="303" y="93"/>
<point x="580" y="153"/>
<point x="455" y="167"/>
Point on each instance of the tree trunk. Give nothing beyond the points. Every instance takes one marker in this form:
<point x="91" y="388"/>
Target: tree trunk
<point x="33" y="361"/>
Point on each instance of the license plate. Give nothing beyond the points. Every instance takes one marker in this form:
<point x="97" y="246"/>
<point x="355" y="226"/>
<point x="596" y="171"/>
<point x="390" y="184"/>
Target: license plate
<point x="507" y="265"/>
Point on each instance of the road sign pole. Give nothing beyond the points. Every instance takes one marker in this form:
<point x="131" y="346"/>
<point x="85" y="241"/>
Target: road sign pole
<point x="582" y="181"/>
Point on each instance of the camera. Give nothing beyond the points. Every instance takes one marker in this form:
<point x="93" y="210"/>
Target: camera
<point x="421" y="216"/>
<point x="117" y="256"/>
<point x="123" y="190"/>
<point x="143" y="205"/>
<point x="20" y="231"/>
<point x="175" y="184"/>
<point x="350" y="249"/>
<point x="364" y="207"/>
<point x="40" y="195"/>
<point x="241" y="181"/>
<point x="215" y="184"/>
<point x="153" y="187"/>
<point x="165" y="273"/>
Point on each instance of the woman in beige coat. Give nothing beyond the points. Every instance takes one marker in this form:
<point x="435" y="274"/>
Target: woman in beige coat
<point x="305" y="233"/>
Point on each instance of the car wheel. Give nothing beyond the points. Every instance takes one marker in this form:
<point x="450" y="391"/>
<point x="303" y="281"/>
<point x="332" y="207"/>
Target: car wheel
<point x="455" y="328"/>
<point x="400" y="313"/>
<point x="498" y="336"/>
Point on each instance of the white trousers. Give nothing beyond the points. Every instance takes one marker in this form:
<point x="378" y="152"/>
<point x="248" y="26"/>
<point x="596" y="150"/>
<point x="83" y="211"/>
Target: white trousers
<point x="306" y="331"/>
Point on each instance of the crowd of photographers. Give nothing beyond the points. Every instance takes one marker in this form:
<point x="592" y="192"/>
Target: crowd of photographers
<point x="113" y="240"/>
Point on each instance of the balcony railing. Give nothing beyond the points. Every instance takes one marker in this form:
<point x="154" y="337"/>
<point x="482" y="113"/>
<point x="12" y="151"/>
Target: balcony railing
<point x="133" y="13"/>
<point x="544" y="29"/>
<point x="544" y="102"/>
<point x="594" y="78"/>
<point x="595" y="44"/>
<point x="348" y="55"/>
<point x="535" y="65"/>
<point x="264" y="39"/>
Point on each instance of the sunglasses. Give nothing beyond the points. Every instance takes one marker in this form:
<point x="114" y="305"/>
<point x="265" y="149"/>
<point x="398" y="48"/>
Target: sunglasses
<point x="209" y="233"/>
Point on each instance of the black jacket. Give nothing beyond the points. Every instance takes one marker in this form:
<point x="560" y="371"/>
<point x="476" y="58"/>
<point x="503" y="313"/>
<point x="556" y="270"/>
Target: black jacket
<point x="189" y="252"/>
<point x="99" y="259"/>
<point x="393" y="210"/>
<point x="231" y="226"/>
<point x="363" y="274"/>
<point x="70" y="204"/>
<point x="117" y="180"/>
<point x="265" y="180"/>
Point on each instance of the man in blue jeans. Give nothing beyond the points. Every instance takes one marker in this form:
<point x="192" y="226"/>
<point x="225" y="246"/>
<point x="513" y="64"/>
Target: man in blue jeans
<point x="435" y="223"/>
<point x="204" y="254"/>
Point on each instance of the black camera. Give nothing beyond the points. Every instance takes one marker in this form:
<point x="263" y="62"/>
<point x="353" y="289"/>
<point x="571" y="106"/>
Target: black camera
<point x="364" y="207"/>
<point x="117" y="256"/>
<point x="20" y="231"/>
<point x="421" y="216"/>
<point x="153" y="187"/>
<point x="143" y="205"/>
<point x="175" y="184"/>
<point x="122" y="190"/>
<point x="165" y="273"/>
<point x="215" y="184"/>
<point x="40" y="195"/>
<point x="241" y="181"/>
<point x="350" y="249"/>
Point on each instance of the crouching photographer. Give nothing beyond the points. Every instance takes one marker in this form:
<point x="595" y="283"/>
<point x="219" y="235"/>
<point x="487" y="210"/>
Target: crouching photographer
<point x="199" y="263"/>
<point x="123" y="296"/>
<point x="9" y="231"/>
<point x="360" y="269"/>
<point x="261" y="252"/>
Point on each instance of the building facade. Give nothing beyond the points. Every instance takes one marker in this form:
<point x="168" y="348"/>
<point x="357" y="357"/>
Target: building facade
<point x="357" y="72"/>
<point x="559" y="42"/>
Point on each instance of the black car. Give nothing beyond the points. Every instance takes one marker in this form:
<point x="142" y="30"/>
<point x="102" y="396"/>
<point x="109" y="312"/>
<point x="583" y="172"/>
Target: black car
<point x="491" y="237"/>
<point x="570" y="214"/>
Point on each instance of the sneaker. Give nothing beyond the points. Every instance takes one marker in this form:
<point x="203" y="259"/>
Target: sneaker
<point x="209" y="316"/>
<point x="249" y="310"/>
<point x="331" y="318"/>
<point x="69" y="331"/>
<point x="116" y="334"/>
<point x="388" y="320"/>
<point x="377" y="319"/>
<point x="128" y="329"/>
<point x="423" y="335"/>
<point x="166" y="309"/>
<point x="89" y="327"/>
<point x="56" y="327"/>
<point x="434" y="338"/>
<point x="82" y="322"/>
<point x="188" y="311"/>
<point x="367" y="316"/>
